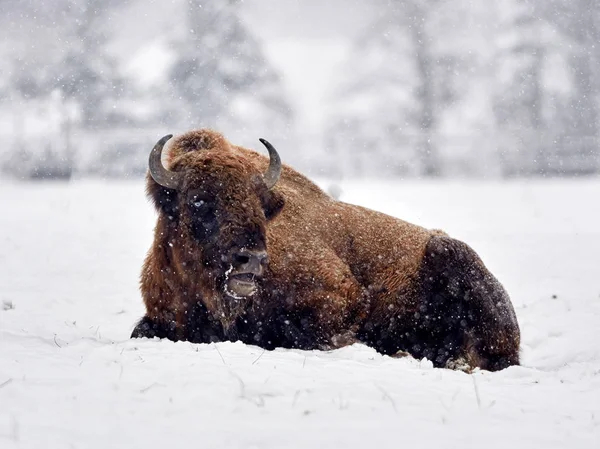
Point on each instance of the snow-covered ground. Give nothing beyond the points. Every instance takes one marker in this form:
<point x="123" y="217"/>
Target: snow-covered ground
<point x="70" y="377"/>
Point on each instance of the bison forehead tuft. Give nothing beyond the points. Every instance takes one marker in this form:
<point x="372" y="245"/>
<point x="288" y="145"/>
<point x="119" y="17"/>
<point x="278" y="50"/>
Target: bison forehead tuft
<point x="226" y="173"/>
<point x="204" y="139"/>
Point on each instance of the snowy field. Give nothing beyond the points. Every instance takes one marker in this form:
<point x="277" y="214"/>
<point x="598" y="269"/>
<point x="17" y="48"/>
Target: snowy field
<point x="71" y="378"/>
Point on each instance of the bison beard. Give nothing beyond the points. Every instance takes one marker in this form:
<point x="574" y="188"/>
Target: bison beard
<point x="247" y="249"/>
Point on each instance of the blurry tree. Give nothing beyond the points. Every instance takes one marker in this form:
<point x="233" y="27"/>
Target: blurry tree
<point x="77" y="64"/>
<point x="579" y="22"/>
<point x="396" y="91"/>
<point x="221" y="77"/>
<point x="60" y="67"/>
<point x="415" y="15"/>
<point x="520" y="100"/>
<point x="548" y="96"/>
<point x="372" y="129"/>
<point x="85" y="73"/>
<point x="432" y="87"/>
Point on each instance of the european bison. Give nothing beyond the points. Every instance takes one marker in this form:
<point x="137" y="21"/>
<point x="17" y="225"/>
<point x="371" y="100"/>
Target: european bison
<point x="248" y="249"/>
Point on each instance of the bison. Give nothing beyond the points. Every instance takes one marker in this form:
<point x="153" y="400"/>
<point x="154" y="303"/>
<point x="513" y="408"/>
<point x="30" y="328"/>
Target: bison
<point x="248" y="249"/>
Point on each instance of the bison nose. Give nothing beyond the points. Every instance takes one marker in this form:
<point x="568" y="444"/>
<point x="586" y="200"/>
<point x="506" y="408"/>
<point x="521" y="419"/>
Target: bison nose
<point x="249" y="261"/>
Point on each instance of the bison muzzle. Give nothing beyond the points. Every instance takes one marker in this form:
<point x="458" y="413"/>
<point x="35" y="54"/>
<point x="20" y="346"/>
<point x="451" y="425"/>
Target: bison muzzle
<point x="248" y="249"/>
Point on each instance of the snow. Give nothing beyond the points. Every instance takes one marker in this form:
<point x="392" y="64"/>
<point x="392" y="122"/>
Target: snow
<point x="71" y="377"/>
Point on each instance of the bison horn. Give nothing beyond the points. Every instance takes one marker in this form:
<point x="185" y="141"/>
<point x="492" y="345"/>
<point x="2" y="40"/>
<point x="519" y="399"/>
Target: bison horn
<point x="159" y="173"/>
<point x="274" y="171"/>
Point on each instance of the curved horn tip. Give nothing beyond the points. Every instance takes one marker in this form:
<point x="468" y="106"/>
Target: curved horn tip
<point x="271" y="148"/>
<point x="158" y="172"/>
<point x="158" y="146"/>
<point x="274" y="171"/>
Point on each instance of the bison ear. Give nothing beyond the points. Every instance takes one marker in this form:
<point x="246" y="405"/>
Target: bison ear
<point x="164" y="199"/>
<point x="273" y="202"/>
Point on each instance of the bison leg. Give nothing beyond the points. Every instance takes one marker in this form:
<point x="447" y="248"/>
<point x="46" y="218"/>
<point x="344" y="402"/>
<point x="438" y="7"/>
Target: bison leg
<point x="150" y="328"/>
<point x="464" y="315"/>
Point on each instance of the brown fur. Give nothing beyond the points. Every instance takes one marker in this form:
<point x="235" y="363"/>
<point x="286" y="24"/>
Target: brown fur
<point x="337" y="273"/>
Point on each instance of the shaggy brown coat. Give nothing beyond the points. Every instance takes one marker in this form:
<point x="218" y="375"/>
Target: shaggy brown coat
<point x="337" y="273"/>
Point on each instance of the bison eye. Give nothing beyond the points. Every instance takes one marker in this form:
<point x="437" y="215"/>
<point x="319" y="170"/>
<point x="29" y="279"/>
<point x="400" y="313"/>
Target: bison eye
<point x="198" y="203"/>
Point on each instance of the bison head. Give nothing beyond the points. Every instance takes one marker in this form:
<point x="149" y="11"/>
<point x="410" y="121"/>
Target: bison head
<point x="215" y="203"/>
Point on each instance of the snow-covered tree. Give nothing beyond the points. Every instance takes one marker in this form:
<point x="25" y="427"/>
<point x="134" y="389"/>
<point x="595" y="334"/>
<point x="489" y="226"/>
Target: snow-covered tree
<point x="395" y="89"/>
<point x="547" y="100"/>
<point x="86" y="74"/>
<point x="60" y="73"/>
<point x="372" y="128"/>
<point x="415" y="16"/>
<point x="520" y="99"/>
<point x="222" y="78"/>
<point x="73" y="61"/>
<point x="578" y="21"/>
